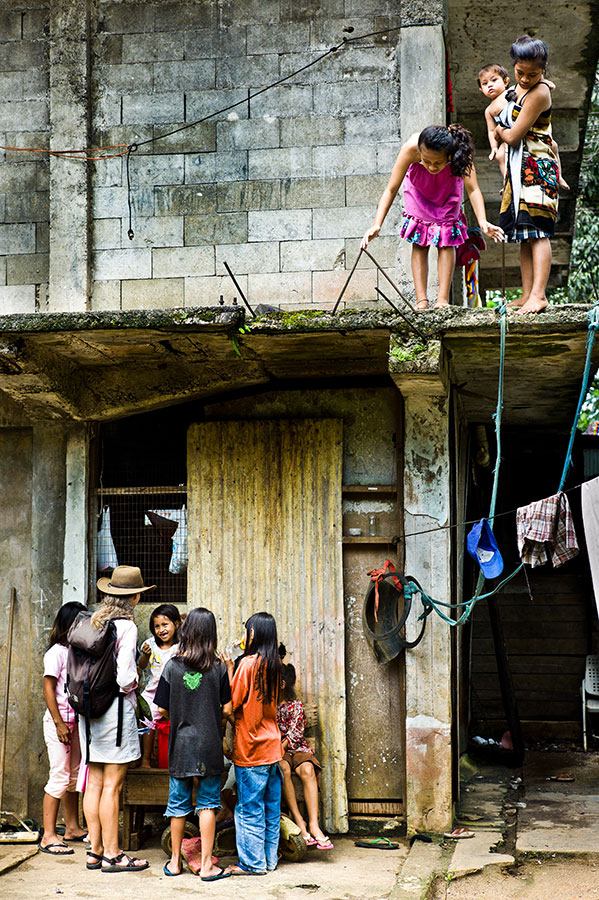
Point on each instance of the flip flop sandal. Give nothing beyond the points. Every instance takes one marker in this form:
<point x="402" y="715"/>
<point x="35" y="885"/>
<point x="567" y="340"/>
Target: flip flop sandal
<point x="458" y="833"/>
<point x="221" y="874"/>
<point x="82" y="837"/>
<point x="95" y="865"/>
<point x="170" y="874"/>
<point x="378" y="844"/>
<point x="325" y="845"/>
<point x="563" y="777"/>
<point x="130" y="867"/>
<point x="421" y="305"/>
<point x="310" y="841"/>
<point x="48" y="849"/>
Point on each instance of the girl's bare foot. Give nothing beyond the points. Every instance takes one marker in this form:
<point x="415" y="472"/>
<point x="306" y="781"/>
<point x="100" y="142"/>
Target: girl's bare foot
<point x="441" y="303"/>
<point x="532" y="305"/>
<point x="145" y="764"/>
<point x="519" y="302"/>
<point x="563" y="184"/>
<point x="76" y="834"/>
<point x="422" y="304"/>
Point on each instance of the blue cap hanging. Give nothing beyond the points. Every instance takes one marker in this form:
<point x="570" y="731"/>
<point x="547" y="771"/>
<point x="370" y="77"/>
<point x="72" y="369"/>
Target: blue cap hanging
<point x="483" y="548"/>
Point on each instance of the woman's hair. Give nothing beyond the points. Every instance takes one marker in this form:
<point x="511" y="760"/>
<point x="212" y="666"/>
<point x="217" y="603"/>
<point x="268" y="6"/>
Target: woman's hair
<point x="265" y="643"/>
<point x="288" y="676"/>
<point x="113" y="607"/>
<point x="529" y="49"/>
<point x="65" y="617"/>
<point x="168" y="611"/>
<point x="197" y="639"/>
<point x="454" y="140"/>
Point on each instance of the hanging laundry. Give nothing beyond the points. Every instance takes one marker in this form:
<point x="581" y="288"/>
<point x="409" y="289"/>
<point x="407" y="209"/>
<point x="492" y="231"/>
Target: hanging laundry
<point x="160" y="518"/>
<point x="545" y="530"/>
<point x="590" y="518"/>
<point x="106" y="557"/>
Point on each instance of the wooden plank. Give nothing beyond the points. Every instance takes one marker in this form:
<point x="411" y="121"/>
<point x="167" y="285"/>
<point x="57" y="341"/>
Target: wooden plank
<point x="543" y="665"/>
<point x="375" y="808"/>
<point x="535" y="646"/>
<point x="524" y="616"/>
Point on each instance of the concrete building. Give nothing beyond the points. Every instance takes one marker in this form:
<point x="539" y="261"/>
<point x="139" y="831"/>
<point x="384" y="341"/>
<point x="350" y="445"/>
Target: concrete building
<point x="125" y="383"/>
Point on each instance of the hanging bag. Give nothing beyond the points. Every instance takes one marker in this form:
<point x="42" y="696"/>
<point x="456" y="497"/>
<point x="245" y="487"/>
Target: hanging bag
<point x="107" y="558"/>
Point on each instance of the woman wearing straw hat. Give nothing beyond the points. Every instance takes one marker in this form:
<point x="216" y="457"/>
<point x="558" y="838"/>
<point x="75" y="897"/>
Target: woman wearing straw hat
<point x="108" y="762"/>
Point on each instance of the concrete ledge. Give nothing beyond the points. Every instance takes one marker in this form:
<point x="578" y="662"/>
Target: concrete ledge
<point x="12" y="855"/>
<point x="474" y="854"/>
<point x="424" y="863"/>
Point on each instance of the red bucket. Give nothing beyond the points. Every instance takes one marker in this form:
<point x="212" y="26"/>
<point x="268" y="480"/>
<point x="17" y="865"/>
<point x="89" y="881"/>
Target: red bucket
<point x="163" y="729"/>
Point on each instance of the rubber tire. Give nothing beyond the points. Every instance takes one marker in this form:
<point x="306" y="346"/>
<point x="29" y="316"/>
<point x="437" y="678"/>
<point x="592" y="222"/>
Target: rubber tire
<point x="191" y="831"/>
<point x="294" y="848"/>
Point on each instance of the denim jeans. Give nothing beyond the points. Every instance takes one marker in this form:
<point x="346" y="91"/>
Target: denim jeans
<point x="258" y="816"/>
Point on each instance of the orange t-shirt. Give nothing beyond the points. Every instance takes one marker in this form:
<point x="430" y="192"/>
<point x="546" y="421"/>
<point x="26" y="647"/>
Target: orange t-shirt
<point x="257" y="740"/>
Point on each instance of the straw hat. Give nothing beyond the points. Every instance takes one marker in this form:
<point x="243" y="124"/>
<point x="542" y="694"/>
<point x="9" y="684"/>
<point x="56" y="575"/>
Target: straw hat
<point x="124" y="580"/>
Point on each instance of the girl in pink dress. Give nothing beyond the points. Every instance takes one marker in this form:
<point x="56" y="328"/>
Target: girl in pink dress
<point x="434" y="166"/>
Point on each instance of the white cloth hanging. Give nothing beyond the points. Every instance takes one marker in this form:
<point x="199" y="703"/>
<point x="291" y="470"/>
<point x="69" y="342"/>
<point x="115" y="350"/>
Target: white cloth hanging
<point x="107" y="558"/>
<point x="590" y="519"/>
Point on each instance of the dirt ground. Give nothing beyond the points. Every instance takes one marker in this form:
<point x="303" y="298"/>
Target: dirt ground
<point x="345" y="873"/>
<point x="538" y="879"/>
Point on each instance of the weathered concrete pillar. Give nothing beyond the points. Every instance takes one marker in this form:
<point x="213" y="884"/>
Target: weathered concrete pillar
<point x="422" y="99"/>
<point x="69" y="286"/>
<point x="427" y="474"/>
<point x="75" y="538"/>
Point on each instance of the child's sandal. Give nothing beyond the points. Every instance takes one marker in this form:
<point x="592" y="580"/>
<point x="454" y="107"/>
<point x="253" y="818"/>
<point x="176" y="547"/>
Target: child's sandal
<point x="422" y="304"/>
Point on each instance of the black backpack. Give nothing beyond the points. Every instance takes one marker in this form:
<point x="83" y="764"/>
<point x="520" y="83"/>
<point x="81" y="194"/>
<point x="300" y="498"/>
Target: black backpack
<point x="91" y="671"/>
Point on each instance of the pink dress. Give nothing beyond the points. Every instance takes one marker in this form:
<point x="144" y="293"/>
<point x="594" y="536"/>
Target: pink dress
<point x="433" y="208"/>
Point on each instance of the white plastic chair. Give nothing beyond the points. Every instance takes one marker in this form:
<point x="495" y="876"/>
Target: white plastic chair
<point x="590" y="693"/>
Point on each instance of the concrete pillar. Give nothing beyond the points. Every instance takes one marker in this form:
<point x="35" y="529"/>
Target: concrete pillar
<point x="422" y="102"/>
<point x="427" y="473"/>
<point x="75" y="572"/>
<point x="69" y="286"/>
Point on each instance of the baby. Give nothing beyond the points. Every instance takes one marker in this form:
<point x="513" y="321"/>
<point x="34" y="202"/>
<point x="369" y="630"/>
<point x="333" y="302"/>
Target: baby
<point x="493" y="82"/>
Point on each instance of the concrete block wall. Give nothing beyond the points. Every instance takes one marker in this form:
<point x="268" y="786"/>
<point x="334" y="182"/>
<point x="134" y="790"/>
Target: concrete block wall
<point x="24" y="176"/>
<point x="281" y="187"/>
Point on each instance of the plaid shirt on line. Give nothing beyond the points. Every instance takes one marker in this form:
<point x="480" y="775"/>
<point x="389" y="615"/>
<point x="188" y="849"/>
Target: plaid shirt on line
<point x="546" y="528"/>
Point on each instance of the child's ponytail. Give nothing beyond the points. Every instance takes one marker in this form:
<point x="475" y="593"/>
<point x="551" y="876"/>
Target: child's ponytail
<point x="463" y="150"/>
<point x="456" y="141"/>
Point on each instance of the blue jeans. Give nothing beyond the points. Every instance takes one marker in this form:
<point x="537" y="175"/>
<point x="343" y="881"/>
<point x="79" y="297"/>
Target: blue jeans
<point x="258" y="816"/>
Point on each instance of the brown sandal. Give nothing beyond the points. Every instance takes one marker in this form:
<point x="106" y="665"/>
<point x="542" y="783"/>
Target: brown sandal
<point x="421" y="305"/>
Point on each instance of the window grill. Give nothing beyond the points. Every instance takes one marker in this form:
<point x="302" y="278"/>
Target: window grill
<point x="145" y="527"/>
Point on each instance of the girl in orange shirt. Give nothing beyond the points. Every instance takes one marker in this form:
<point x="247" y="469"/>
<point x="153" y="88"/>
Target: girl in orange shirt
<point x="257" y="748"/>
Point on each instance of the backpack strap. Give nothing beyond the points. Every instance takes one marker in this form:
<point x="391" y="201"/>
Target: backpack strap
<point x="119" y="727"/>
<point x="86" y="716"/>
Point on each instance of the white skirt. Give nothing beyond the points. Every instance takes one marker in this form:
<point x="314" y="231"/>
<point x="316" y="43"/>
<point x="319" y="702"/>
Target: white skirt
<point x="103" y="748"/>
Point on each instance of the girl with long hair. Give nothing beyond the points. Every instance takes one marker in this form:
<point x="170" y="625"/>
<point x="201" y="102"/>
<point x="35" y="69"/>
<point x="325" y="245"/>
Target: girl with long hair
<point x="165" y="621"/>
<point x="257" y="748"/>
<point x="194" y="693"/>
<point x="434" y="167"/>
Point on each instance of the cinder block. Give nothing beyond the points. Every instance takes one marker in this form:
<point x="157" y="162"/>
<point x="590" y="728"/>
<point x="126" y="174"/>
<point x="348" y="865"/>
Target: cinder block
<point x="108" y="173"/>
<point x="224" y="42"/>
<point x="107" y="203"/>
<point x="19" y="176"/>
<point x="17" y="298"/>
<point x="245" y="195"/>
<point x="152" y="46"/>
<point x="326" y="286"/>
<point x="330" y="30"/>
<point x="32" y="206"/>
<point x="200" y="169"/>
<point x="247" y="71"/>
<point x="33" y="24"/>
<point x="344" y="98"/>
<point x="386" y="155"/>
<point x="378" y="125"/>
<point x="287" y="162"/>
<point x="300" y="256"/>
<point x="106" y="234"/>
<point x="166" y="107"/>
<point x="107" y="111"/>
<point x="21" y="56"/>
<point x="39" y="139"/>
<point x="277" y="38"/>
<point x="42" y="237"/>
<point x="388" y="99"/>
<point x="108" y="265"/>
<point x="123" y="135"/>
<point x="17" y="238"/>
<point x="244" y="258"/>
<point x="131" y="77"/>
<point x="108" y="48"/>
<point x="24" y="85"/>
<point x="147" y="171"/>
<point x="185" y="200"/>
<point x="384" y="249"/>
<point x="194" y="139"/>
<point x="311" y="131"/>
<point x="153" y="293"/>
<point x="350" y="64"/>
<point x="365" y="189"/>
<point x="208" y="103"/>
<point x="371" y="7"/>
<point x="285" y="100"/>
<point x="276" y="287"/>
<point x="306" y="11"/>
<point x="207" y="290"/>
<point x="27" y="269"/>
<point x="346" y="221"/>
<point x="306" y="193"/>
<point x="183" y="261"/>
<point x="106" y="295"/>
<point x="2" y="269"/>
<point x="193" y="15"/>
<point x="231" y="165"/>
<point x="226" y="228"/>
<point x="13" y="114"/>
<point x="127" y="18"/>
<point x="11" y="25"/>
<point x="252" y="12"/>
<point x="248" y="134"/>
<point x="179" y="76"/>
<point x="350" y="159"/>
<point x="154" y="231"/>
<point x="275" y="225"/>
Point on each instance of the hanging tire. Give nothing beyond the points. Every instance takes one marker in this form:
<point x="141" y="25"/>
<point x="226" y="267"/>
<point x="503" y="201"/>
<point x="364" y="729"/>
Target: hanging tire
<point x="293" y="847"/>
<point x="166" y="843"/>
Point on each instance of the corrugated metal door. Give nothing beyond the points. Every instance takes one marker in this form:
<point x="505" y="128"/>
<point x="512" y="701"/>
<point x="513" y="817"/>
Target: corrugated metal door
<point x="265" y="534"/>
